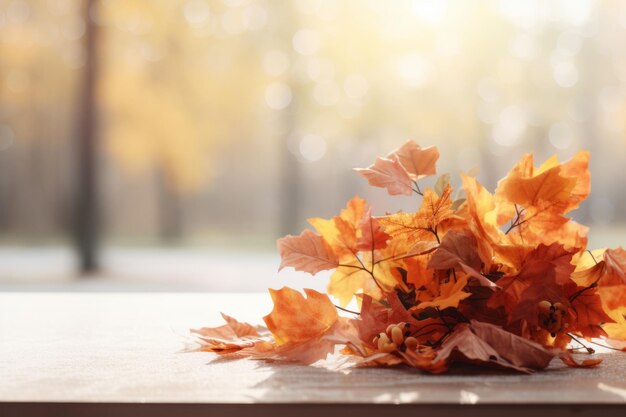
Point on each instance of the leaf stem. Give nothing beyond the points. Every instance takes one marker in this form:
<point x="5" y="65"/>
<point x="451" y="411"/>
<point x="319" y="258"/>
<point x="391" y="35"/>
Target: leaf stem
<point x="400" y="257"/>
<point x="442" y="338"/>
<point x="349" y="266"/>
<point x="592" y="257"/>
<point x="372" y="249"/>
<point x="581" y="291"/>
<point x="369" y="272"/>
<point x="516" y="223"/>
<point x="588" y="349"/>
<point x="433" y="324"/>
<point x="605" y="346"/>
<point x="346" y="310"/>
<point x="434" y="232"/>
<point x="417" y="189"/>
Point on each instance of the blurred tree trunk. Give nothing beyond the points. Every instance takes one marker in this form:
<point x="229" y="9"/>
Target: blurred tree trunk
<point x="7" y="191"/>
<point x="170" y="208"/>
<point x="291" y="177"/>
<point x="86" y="204"/>
<point x="592" y="83"/>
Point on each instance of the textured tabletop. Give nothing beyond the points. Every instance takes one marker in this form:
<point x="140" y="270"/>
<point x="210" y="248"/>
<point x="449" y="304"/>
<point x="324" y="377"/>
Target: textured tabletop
<point x="123" y="350"/>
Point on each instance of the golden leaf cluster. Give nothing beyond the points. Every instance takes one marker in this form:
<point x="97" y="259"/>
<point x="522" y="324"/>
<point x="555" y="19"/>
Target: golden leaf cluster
<point x="499" y="279"/>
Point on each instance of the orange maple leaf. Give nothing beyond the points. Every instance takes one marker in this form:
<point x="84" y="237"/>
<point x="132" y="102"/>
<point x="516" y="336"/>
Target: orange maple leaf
<point x="568" y="359"/>
<point x="497" y="279"/>
<point x="515" y="349"/>
<point x="548" y="189"/>
<point x="544" y="275"/>
<point x="342" y="232"/>
<point x="459" y="250"/>
<point x="425" y="223"/>
<point x="588" y="313"/>
<point x="609" y="276"/>
<point x="611" y="270"/>
<point x="350" y="279"/>
<point x="417" y="161"/>
<point x="553" y="186"/>
<point x="295" y="319"/>
<point x="488" y="345"/>
<point x="389" y="174"/>
<point x="372" y="234"/>
<point x="354" y="231"/>
<point x="617" y="329"/>
<point x="449" y="294"/>
<point x="308" y="252"/>
<point x="230" y="337"/>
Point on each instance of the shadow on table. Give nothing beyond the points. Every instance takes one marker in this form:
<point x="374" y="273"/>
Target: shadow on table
<point x="463" y="384"/>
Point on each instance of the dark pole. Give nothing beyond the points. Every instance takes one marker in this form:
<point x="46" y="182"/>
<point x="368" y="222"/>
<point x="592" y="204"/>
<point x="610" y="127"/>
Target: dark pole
<point x="290" y="175"/>
<point x="86" y="216"/>
<point x="170" y="208"/>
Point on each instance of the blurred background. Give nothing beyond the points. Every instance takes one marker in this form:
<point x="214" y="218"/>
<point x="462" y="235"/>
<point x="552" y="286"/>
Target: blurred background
<point x="164" y="145"/>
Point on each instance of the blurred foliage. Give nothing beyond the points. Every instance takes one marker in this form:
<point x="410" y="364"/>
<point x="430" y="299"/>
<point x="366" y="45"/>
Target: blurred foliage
<point x="208" y="102"/>
<point x="167" y="97"/>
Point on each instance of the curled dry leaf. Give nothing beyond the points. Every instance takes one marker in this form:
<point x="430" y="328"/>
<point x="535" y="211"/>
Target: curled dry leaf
<point x="500" y="279"/>
<point x="389" y="174"/>
<point x="515" y="349"/>
<point x="295" y="319"/>
<point x="417" y="161"/>
<point x="488" y="345"/>
<point x="307" y="252"/>
<point x="466" y="346"/>
<point x="588" y="313"/>
<point x="230" y="337"/>
<point x="449" y="294"/>
<point x="435" y="212"/>
<point x="372" y="234"/>
<point x="349" y="280"/>
<point x="569" y="360"/>
<point x="460" y="250"/>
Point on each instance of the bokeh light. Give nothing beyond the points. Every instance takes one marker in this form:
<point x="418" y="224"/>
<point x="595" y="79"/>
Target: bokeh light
<point x="234" y="120"/>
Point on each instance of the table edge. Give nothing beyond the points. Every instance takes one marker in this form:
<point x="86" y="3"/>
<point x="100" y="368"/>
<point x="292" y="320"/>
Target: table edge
<point x="70" y="409"/>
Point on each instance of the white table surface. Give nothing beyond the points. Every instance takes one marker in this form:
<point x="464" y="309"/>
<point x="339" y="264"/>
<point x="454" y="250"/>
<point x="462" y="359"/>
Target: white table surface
<point x="109" y="353"/>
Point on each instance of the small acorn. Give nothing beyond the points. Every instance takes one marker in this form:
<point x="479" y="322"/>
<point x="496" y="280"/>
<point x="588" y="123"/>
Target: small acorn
<point x="544" y="306"/>
<point x="397" y="336"/>
<point x="382" y="341"/>
<point x="551" y="316"/>
<point x="411" y="343"/>
<point x="388" y="348"/>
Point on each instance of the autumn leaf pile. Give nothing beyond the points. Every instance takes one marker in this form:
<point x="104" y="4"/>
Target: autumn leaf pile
<point x="498" y="279"/>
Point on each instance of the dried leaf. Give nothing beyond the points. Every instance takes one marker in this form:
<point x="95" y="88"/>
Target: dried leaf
<point x="418" y="162"/>
<point x="389" y="174"/>
<point x="546" y="189"/>
<point x="372" y="234"/>
<point x="465" y="346"/>
<point x="230" y="337"/>
<point x="441" y="184"/>
<point x="307" y="252"/>
<point x="349" y="280"/>
<point x="296" y="319"/>
<point x="414" y="276"/>
<point x="342" y="232"/>
<point x="611" y="270"/>
<point x="569" y="360"/>
<point x="424" y="224"/>
<point x="515" y="349"/>
<point x="450" y="294"/>
<point x="460" y="250"/>
<point x="588" y="314"/>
